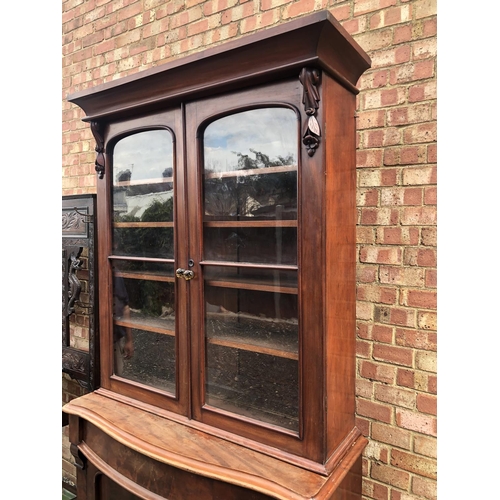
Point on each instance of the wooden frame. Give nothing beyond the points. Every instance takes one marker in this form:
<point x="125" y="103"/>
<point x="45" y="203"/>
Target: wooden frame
<point x="309" y="66"/>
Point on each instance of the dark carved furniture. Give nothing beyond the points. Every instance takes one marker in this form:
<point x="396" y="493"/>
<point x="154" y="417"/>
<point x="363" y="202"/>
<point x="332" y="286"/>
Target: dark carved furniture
<point x="78" y="288"/>
<point x="226" y="221"/>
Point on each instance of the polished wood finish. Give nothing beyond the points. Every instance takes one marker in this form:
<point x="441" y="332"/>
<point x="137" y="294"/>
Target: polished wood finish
<point x="171" y="120"/>
<point x="168" y="459"/>
<point x="340" y="271"/>
<point x="198" y="114"/>
<point x="278" y="52"/>
<point x="126" y="434"/>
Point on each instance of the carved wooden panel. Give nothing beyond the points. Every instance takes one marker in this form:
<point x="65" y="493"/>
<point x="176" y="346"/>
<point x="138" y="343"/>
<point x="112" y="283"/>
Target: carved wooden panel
<point x="79" y="319"/>
<point x="310" y="78"/>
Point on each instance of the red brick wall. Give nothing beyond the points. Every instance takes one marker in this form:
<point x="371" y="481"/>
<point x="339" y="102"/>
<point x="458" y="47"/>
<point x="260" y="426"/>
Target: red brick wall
<point x="396" y="161"/>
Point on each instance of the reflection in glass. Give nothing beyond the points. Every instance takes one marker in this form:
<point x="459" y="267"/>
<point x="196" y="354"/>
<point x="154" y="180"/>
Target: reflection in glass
<point x="143" y="192"/>
<point x="258" y="138"/>
<point x="251" y="194"/>
<point x="266" y="245"/>
<point x="250" y="165"/>
<point x="251" y="314"/>
<point x="251" y="326"/>
<point x="250" y="187"/>
<point x="252" y="317"/>
<point x="153" y="362"/>
<point x="145" y="268"/>
<point x="152" y="242"/>
<point x="253" y="385"/>
<point x="144" y="327"/>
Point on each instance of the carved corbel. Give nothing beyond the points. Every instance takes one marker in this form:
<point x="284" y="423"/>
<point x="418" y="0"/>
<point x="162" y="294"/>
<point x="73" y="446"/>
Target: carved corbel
<point x="97" y="129"/>
<point x="309" y="78"/>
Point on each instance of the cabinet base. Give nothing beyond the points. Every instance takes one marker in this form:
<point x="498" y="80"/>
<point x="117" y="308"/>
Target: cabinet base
<point x="126" y="453"/>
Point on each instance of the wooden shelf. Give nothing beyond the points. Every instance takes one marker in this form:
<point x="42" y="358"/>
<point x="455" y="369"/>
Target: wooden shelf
<point x="157" y="325"/>
<point x="142" y="182"/>
<point x="276" y="343"/>
<point x="117" y="225"/>
<point x="131" y="258"/>
<point x="251" y="223"/>
<point x="261" y="349"/>
<point x="249" y="265"/>
<point x="250" y="333"/>
<point x="252" y="284"/>
<point x="251" y="171"/>
<point x="140" y="275"/>
<point x="242" y="404"/>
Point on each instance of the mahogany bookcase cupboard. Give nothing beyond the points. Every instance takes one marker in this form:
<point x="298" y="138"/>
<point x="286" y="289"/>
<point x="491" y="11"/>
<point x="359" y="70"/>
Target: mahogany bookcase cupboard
<point x="226" y="255"/>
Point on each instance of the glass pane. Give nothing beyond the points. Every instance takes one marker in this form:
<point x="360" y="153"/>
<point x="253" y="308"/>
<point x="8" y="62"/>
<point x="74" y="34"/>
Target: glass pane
<point x="250" y="215"/>
<point x="153" y="362"/>
<point x="253" y="194"/>
<point x="144" y="326"/>
<point x="143" y="193"/>
<point x="150" y="242"/>
<point x="263" y="245"/>
<point x="250" y="166"/>
<point x="251" y="326"/>
<point x="236" y="383"/>
<point x="250" y="187"/>
<point x="158" y="269"/>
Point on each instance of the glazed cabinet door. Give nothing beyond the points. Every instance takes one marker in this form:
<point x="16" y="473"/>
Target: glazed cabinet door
<point x="245" y="203"/>
<point x="213" y="234"/>
<point x="145" y="316"/>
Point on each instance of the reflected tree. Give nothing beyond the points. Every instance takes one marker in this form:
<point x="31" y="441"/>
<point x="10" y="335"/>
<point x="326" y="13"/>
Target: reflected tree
<point x="148" y="296"/>
<point x="143" y="241"/>
<point x="255" y="194"/>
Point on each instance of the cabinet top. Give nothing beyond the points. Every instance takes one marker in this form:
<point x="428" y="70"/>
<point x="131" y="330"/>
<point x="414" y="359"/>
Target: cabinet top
<point x="317" y="40"/>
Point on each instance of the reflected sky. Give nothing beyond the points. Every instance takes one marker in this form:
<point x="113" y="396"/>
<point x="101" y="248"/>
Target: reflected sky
<point x="145" y="154"/>
<point x="271" y="131"/>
